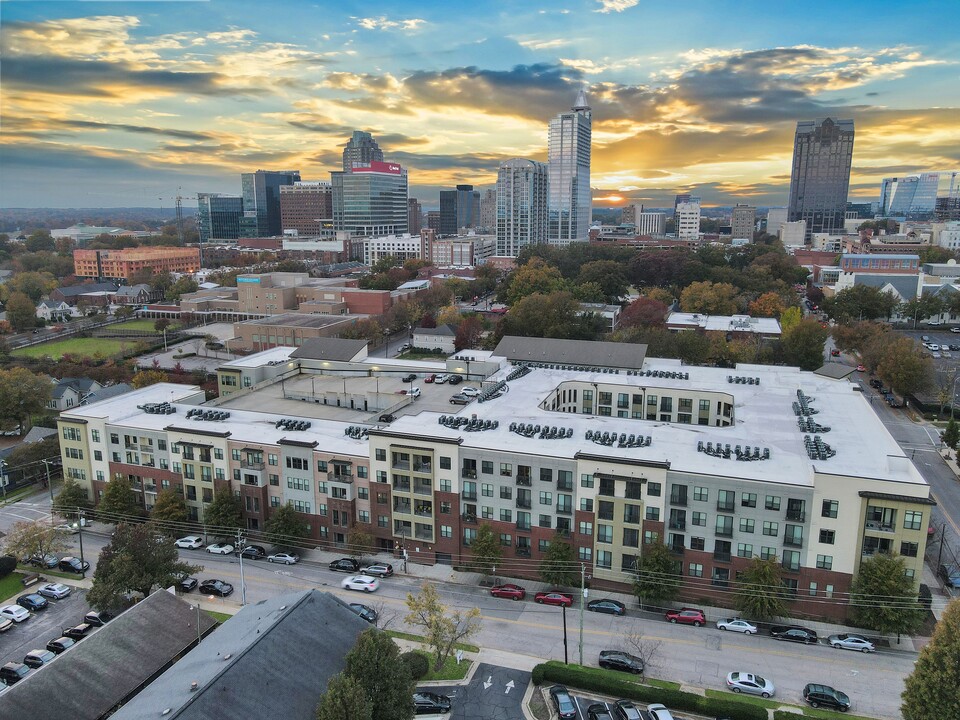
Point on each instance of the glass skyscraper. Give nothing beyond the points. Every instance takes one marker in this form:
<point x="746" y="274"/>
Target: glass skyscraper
<point x="218" y="216"/>
<point x="459" y="208"/>
<point x="371" y="200"/>
<point x="913" y="196"/>
<point x="361" y="149"/>
<point x="261" y="201"/>
<point x="522" y="217"/>
<point x="820" y="176"/>
<point x="568" y="159"/>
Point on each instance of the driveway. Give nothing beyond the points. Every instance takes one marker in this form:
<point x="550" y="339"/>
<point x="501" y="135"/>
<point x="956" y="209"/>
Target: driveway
<point x="494" y="693"/>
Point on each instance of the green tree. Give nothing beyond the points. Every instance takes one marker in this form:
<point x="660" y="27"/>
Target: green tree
<point x="32" y="284"/>
<point x="903" y="367"/>
<point x="557" y="315"/>
<point x="135" y="560"/>
<point x="790" y="318"/>
<point x="709" y="298"/>
<point x="184" y="285"/>
<point x="360" y="542"/>
<point x="286" y="526"/>
<point x="124" y="312"/>
<point x="883" y="598"/>
<point x="951" y="434"/>
<point x="170" y="509"/>
<point x="931" y="689"/>
<point x="119" y="503"/>
<point x="161" y="324"/>
<point x="803" y="345"/>
<point x="39" y="240"/>
<point x="760" y="593"/>
<point x="224" y="515"/>
<point x="22" y="394"/>
<point x="374" y="663"/>
<point x="26" y="539"/>
<point x="609" y="275"/>
<point x="443" y="628"/>
<point x="485" y="550"/>
<point x="72" y="496"/>
<point x="558" y="566"/>
<point x="21" y="312"/>
<point x="345" y="699"/>
<point x="536" y="277"/>
<point x="658" y="577"/>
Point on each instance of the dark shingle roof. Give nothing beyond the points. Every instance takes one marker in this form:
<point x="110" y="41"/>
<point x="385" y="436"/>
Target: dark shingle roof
<point x="75" y="290"/>
<point x="271" y="660"/>
<point x="89" y="680"/>
<point x="335" y="349"/>
<point x="572" y="352"/>
<point x="443" y="330"/>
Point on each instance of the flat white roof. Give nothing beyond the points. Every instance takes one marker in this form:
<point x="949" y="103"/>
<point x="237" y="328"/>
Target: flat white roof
<point x="726" y="323"/>
<point x="281" y="354"/>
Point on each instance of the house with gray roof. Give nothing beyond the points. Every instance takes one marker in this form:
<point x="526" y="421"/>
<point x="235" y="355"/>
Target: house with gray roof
<point x="70" y="392"/>
<point x="442" y="337"/>
<point x="55" y="310"/>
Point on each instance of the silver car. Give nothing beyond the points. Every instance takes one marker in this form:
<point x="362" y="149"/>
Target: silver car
<point x="848" y="641"/>
<point x="57" y="591"/>
<point x="743" y="682"/>
<point x="737" y="625"/>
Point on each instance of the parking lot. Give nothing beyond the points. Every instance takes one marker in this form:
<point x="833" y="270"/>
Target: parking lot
<point x="43" y="626"/>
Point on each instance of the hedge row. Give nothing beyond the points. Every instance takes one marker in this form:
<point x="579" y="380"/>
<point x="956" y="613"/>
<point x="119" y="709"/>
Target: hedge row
<point x="608" y="682"/>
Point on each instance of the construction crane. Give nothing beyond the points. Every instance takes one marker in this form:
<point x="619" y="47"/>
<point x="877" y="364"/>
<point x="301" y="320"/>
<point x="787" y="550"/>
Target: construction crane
<point x="178" y="200"/>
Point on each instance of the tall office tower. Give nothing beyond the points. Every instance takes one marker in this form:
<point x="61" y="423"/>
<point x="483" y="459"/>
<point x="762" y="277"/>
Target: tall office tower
<point x="370" y="200"/>
<point x="522" y="205"/>
<point x="743" y="222"/>
<point x="218" y="216"/>
<point x="361" y="149"/>
<point x="307" y="207"/>
<point x="687" y="219"/>
<point x="775" y="218"/>
<point x="261" y="201"/>
<point x="488" y="210"/>
<point x="820" y="175"/>
<point x="433" y="221"/>
<point x="947" y="208"/>
<point x="568" y="159"/>
<point x="650" y="223"/>
<point x="681" y="198"/>
<point x="911" y="196"/>
<point x="414" y="216"/>
<point x="459" y="208"/>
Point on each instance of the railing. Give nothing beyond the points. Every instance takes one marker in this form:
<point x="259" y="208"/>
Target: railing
<point x="146" y="449"/>
<point x="424" y="535"/>
<point x="678" y="525"/>
<point x="632" y="518"/>
<point x="469" y="495"/>
<point x="524" y="481"/>
<point x="423" y="512"/>
<point x="472" y="474"/>
<point x="150" y="488"/>
<point x="401" y="465"/>
<point x="792" y="541"/>
<point x="252" y="481"/>
<point x="565" y="485"/>
<point x="340" y="477"/>
<point x="678" y="500"/>
<point x="402" y="509"/>
<point x="403" y="487"/>
<point x="524" y="504"/>
<point x="724" y="532"/>
<point x="797" y="515"/>
<point x="878" y="526"/>
<point x="244" y="464"/>
<point x="523" y="552"/>
<point x="422" y="490"/>
<point x="523" y="526"/>
<point x="721" y="556"/>
<point x="605" y="515"/>
<point x="676" y="549"/>
<point x="725" y="506"/>
<point x="423" y="467"/>
<point x="565" y="509"/>
<point x="469" y="518"/>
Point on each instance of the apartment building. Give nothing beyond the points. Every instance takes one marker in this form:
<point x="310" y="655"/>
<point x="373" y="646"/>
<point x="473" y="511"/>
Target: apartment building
<point x="122" y="264"/>
<point x="600" y="447"/>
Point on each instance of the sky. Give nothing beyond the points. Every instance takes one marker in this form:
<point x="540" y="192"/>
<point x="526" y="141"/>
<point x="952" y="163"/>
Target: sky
<point x="111" y="104"/>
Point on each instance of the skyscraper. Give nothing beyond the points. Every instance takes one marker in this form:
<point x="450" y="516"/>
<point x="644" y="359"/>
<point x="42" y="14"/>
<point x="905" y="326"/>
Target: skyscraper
<point x="686" y="216"/>
<point x="370" y="200"/>
<point x="913" y="196"/>
<point x="414" y="216"/>
<point x="522" y="210"/>
<point x="361" y="149"/>
<point x="218" y="216"/>
<point x="307" y="207"/>
<point x="488" y="210"/>
<point x="568" y="158"/>
<point x="459" y="208"/>
<point x="820" y="176"/>
<point x="743" y="221"/>
<point x="261" y="201"/>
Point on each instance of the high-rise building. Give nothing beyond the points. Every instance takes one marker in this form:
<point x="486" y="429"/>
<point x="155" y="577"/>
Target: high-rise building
<point x="261" y="201"/>
<point x="218" y="216"/>
<point x="743" y="221"/>
<point x="628" y="215"/>
<point x="775" y="218"/>
<point x="650" y="223"/>
<point x="687" y="219"/>
<point x="947" y="208"/>
<point x="370" y="200"/>
<point x="568" y="159"/>
<point x="307" y="207"/>
<point x="361" y="149"/>
<point x="820" y="175"/>
<point x="433" y="221"/>
<point x="913" y="196"/>
<point x="414" y="216"/>
<point x="522" y="210"/>
<point x="459" y="209"/>
<point x="488" y="210"/>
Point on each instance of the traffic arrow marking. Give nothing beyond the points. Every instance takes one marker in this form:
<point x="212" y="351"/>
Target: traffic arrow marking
<point x="488" y="682"/>
<point x="510" y="687"/>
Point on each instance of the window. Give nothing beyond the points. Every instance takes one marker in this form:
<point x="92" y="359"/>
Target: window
<point x="912" y="520"/>
<point x="506" y="515"/>
<point x="828" y="536"/>
<point x="95" y="436"/>
<point x="586" y="554"/>
<point x="321" y="466"/>
<point x="772" y="502"/>
<point x="71" y="433"/>
<point x="825" y="562"/>
<point x="445" y="485"/>
<point x="362" y="471"/>
<point x="365" y="516"/>
<point x="506" y="493"/>
<point x="486" y="489"/>
<point x="274" y="501"/>
<point x="652" y="513"/>
<point x="272" y="459"/>
<point x="586" y="504"/>
<point x="654" y="489"/>
<point x="506" y="469"/>
<point x="748" y="500"/>
<point x="301" y="506"/>
<point x="695" y="570"/>
<point x="744" y="550"/>
<point x="747" y="525"/>
<point x="791" y="560"/>
<point x="768" y="553"/>
<point x="909" y="549"/>
<point x="217" y="453"/>
<point x="445" y="463"/>
<point x="546" y="475"/>
<point x="322" y="509"/>
<point x="486" y="467"/>
<point x="295" y="463"/>
<point x="469" y="535"/>
<point x="382" y="476"/>
<point x="486" y="512"/>
<point x="546" y="498"/>
<point x="701" y="494"/>
<point x="771" y="528"/>
<point x="294" y="483"/>
<point x="830" y="508"/>
<point x="605" y="533"/>
<point x="585" y="528"/>
<point x="720" y="577"/>
<point x="381" y="454"/>
<point x="544" y="521"/>
<point x="115" y="439"/>
<point x="363" y="493"/>
<point x="604" y="559"/>
<point x="697" y="543"/>
<point x="699" y="518"/>
<point x="813" y="589"/>
<point x="446" y="531"/>
<point x="650" y="537"/>
<point x="275" y="480"/>
<point x="543" y="545"/>
<point x="586" y="480"/>
<point x="724" y="525"/>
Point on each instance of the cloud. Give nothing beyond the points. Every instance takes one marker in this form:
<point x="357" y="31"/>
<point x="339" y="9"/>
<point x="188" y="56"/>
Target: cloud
<point x="607" y="6"/>
<point x="543" y="44"/>
<point x="383" y="23"/>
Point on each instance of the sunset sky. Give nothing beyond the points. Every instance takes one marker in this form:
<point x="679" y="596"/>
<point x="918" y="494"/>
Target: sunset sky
<point x="109" y="104"/>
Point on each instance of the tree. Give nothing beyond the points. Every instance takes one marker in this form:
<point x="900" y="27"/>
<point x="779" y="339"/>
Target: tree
<point x="285" y="527"/>
<point x="557" y="315"/>
<point x="32" y="284"/>
<point x="485" y="550"/>
<point x="444" y="629"/>
<point x="119" y="503"/>
<point x="536" y="277"/>
<point x="374" y="663"/>
<point x="768" y="305"/>
<point x="22" y="394"/>
<point x="951" y="434"/>
<point x="927" y="695"/>
<point x="143" y="378"/>
<point x="803" y="345"/>
<point x="169" y="509"/>
<point x="760" y="593"/>
<point x="642" y="647"/>
<point x="124" y="312"/>
<point x="469" y="332"/>
<point x="135" y="560"/>
<point x="609" y="275"/>
<point x="709" y="298"/>
<point x="26" y="539"/>
<point x="344" y="698"/>
<point x="644" y="312"/>
<point x="658" y="577"/>
<point x="21" y="312"/>
<point x="185" y="284"/>
<point x="558" y="566"/>
<point x="883" y="597"/>
<point x="161" y="324"/>
<point x="449" y="315"/>
<point x="790" y="318"/>
<point x="903" y="367"/>
<point x="72" y="496"/>
<point x="40" y="240"/>
<point x="224" y="515"/>
<point x="360" y="542"/>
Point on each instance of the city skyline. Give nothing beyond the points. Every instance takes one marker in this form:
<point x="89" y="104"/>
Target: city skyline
<point x="116" y="104"/>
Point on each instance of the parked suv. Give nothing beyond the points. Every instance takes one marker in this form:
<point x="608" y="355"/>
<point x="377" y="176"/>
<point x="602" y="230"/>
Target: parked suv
<point x="826" y="696"/>
<point x="687" y="616"/>
<point x="72" y="564"/>
<point x="253" y="552"/>
<point x="13" y="672"/>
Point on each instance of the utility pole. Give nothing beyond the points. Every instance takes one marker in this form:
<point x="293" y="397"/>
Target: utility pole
<point x="583" y="595"/>
<point x="566" y="660"/>
<point x="241" y="539"/>
<point x="46" y="464"/>
<point x="80" y="520"/>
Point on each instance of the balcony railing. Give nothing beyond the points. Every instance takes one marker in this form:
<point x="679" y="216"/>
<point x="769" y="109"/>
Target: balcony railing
<point x="424" y="535"/>
<point x="402" y="487"/>
<point x="521" y="525"/>
<point x="676" y="549"/>
<point x="565" y="485"/>
<point x="469" y="473"/>
<point x="678" y="525"/>
<point x="524" y="481"/>
<point x="150" y="488"/>
<point x="401" y="465"/>
<point x="469" y="495"/>
<point x="251" y="481"/>
<point x="724" y="532"/>
<point x="792" y="541"/>
<point x="423" y="467"/>
<point x="725" y="506"/>
<point x="565" y="509"/>
<point x="340" y="477"/>
<point x="402" y="509"/>
<point x="721" y="556"/>
<point x="796" y="515"/>
<point x="878" y="526"/>
<point x="422" y="490"/>
<point x="469" y="518"/>
<point x="247" y="465"/>
<point x="678" y="500"/>
<point x="523" y="552"/>
<point x="147" y="449"/>
<point x="423" y="512"/>
<point x="523" y="504"/>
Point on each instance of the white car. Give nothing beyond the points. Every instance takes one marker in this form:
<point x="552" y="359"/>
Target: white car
<point x="57" y="591"/>
<point x="220" y="549"/>
<point x="68" y="529"/>
<point x="659" y="712"/>
<point x="743" y="682"/>
<point x="414" y="392"/>
<point x="364" y="583"/>
<point x="285" y="558"/>
<point x="470" y="392"/>
<point x="15" y="613"/>
<point x="191" y="542"/>
<point x="441" y="379"/>
<point x="737" y="625"/>
<point x="849" y="641"/>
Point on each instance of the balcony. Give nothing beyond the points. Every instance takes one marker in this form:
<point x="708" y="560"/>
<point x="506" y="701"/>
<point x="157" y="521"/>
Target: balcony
<point x="725" y="507"/>
<point x="523" y="525"/>
<point x="678" y="525"/>
<point x="340" y="477"/>
<point x="565" y="509"/>
<point x="469" y="518"/>
<point x="470" y="473"/>
<point x="425" y="535"/>
<point x="248" y="465"/>
<point x="680" y="500"/>
<point x="150" y="488"/>
<point x="401" y="465"/>
<point x="423" y="511"/>
<point x="523" y="551"/>
<point x="566" y="485"/>
<point x="721" y="556"/>
<point x="401" y="509"/>
<point x="147" y="449"/>
<point x="403" y="487"/>
<point x="878" y="526"/>
<point x="425" y="468"/>
<point x="524" y="481"/>
<point x="523" y="503"/>
<point x="796" y="515"/>
<point x="676" y="549"/>
<point x="724" y="531"/>
<point x="792" y="541"/>
<point x="422" y="489"/>
<point x="469" y="495"/>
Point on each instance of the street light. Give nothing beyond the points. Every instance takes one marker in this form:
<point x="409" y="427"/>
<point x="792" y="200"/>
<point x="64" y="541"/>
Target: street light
<point x="197" y="608"/>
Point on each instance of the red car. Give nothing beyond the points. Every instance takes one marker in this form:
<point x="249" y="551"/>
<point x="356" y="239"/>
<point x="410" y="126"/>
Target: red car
<point x="514" y="592"/>
<point x="430" y="378"/>
<point x="553" y="598"/>
<point x="687" y="616"/>
<point x="835" y="353"/>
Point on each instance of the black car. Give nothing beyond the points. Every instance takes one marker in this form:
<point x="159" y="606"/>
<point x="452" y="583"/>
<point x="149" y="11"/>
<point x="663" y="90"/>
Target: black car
<point x="409" y="378"/>
<point x="617" y="660"/>
<point x="61" y="644"/>
<point x="606" y="605"/>
<point x="188" y="583"/>
<point x="48" y="561"/>
<point x="826" y="696"/>
<point x="365" y="611"/>
<point x="349" y="565"/>
<point x="598" y="711"/>
<point x="38" y="658"/>
<point x="32" y="601"/>
<point x="454" y="380"/>
<point x="387" y="418"/>
<point x="793" y="633"/>
<point x="97" y="618"/>
<point x="72" y="564"/>
<point x="428" y="703"/>
<point x="216" y="587"/>
<point x="626" y="710"/>
<point x="563" y="702"/>
<point x="13" y="672"/>
<point x="253" y="552"/>
<point x="78" y="632"/>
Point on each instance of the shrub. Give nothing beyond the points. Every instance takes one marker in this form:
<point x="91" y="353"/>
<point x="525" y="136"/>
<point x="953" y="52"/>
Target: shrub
<point x="417" y="663"/>
<point x="7" y="565"/>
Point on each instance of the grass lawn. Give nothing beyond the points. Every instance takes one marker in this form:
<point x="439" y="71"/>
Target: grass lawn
<point x="16" y="495"/>
<point x="665" y="684"/>
<point x="466" y="647"/>
<point x="218" y="616"/>
<point x="807" y="711"/>
<point x="144" y="324"/>
<point x="10" y="586"/>
<point x="450" y="669"/>
<point x="88" y="347"/>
